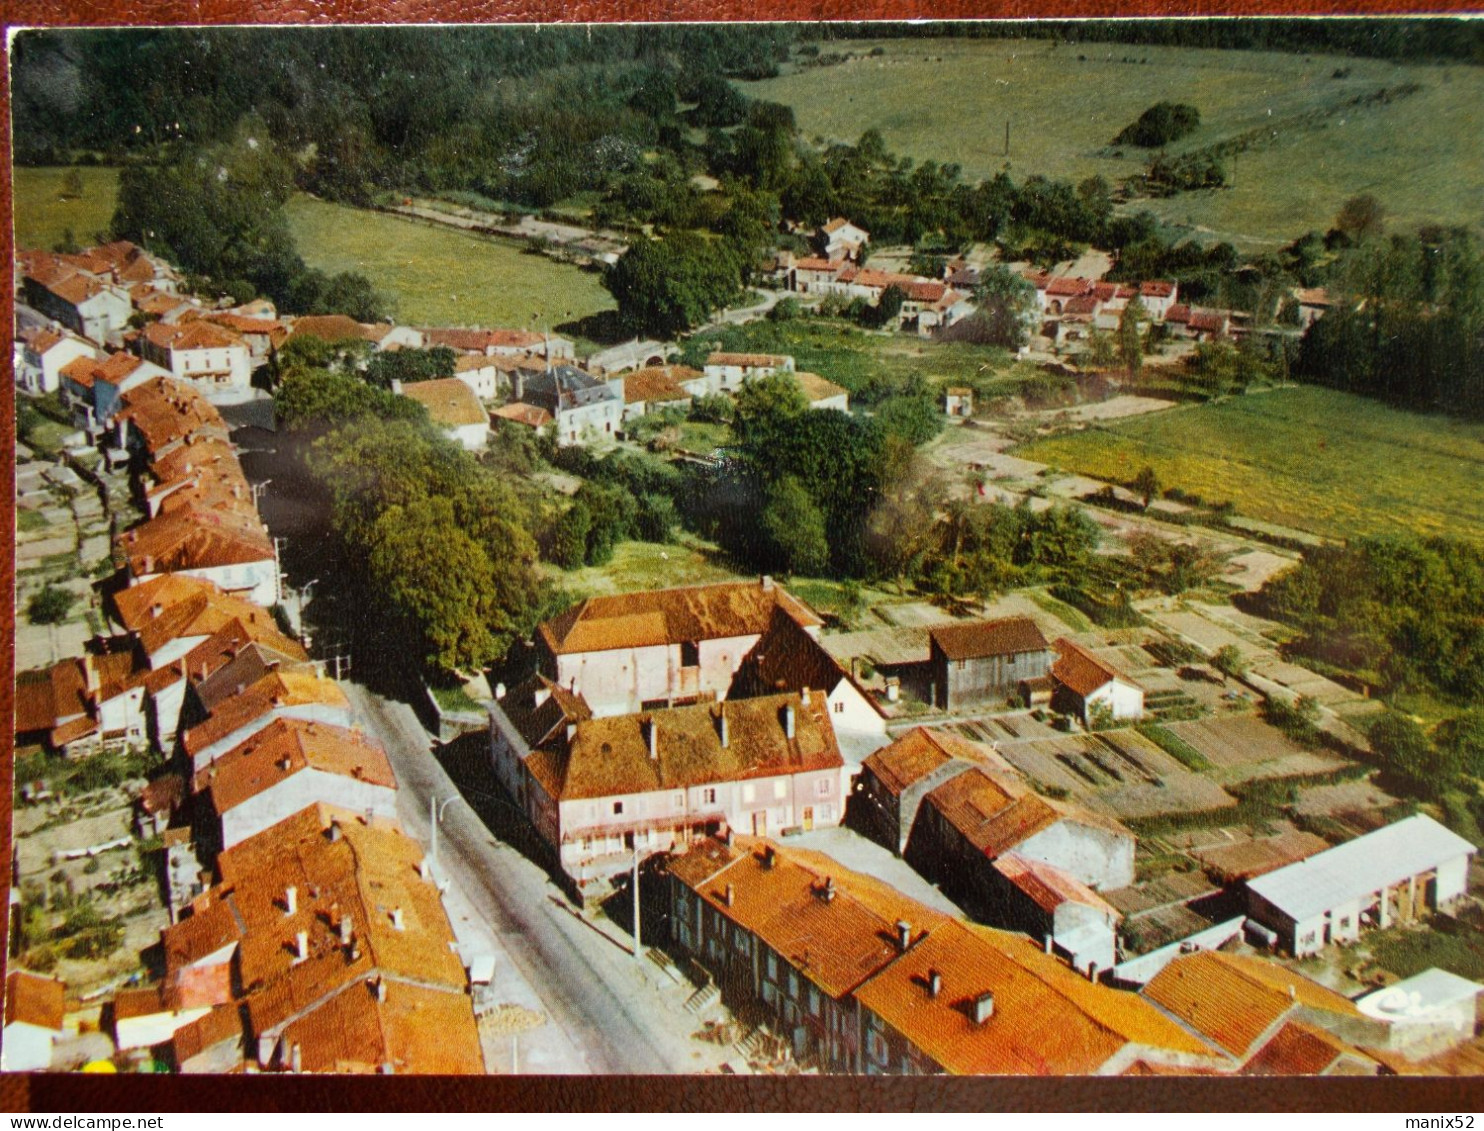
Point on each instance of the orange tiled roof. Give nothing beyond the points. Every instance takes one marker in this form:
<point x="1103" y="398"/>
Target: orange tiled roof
<point x="195" y="537"/>
<point x="531" y="415"/>
<point x="449" y="402"/>
<point x="280" y="689"/>
<point x="1233" y="999"/>
<point x="80" y="371"/>
<point x="1157" y="288"/>
<point x="48" y="695"/>
<point x="786" y="658"/>
<point x="1047" y="1019"/>
<point x="1066" y="286"/>
<point x="328" y="327"/>
<point x="351" y="881"/>
<point x="198" y="334"/>
<point x="164" y="411"/>
<point x="223" y="1023"/>
<point x="748" y="360"/>
<point x="1078" y="669"/>
<point x="287" y="747"/>
<point x="657" y="383"/>
<point x="990" y="816"/>
<point x="415" y="1030"/>
<point x="671" y="616"/>
<point x="1006" y="636"/>
<point x="910" y="758"/>
<point x="607" y="757"/>
<point x="1048" y="886"/>
<point x="1299" y="1049"/>
<point x="33" y="999"/>
<point x="824" y="930"/>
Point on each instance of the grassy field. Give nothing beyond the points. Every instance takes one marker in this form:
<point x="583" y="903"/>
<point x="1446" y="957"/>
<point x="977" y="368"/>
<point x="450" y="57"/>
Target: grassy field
<point x="441" y="277"/>
<point x="648" y="565"/>
<point x="1065" y="103"/>
<point x="1311" y="458"/>
<point x="42" y="217"/>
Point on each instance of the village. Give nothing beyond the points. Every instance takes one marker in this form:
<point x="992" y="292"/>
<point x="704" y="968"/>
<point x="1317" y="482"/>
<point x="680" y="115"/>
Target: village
<point x="992" y="836"/>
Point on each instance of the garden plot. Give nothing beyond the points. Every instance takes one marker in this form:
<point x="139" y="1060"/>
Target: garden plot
<point x="1243" y="748"/>
<point x="1119" y="773"/>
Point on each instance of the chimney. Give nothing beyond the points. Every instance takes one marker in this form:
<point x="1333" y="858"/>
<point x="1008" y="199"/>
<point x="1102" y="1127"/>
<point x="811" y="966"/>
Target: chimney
<point x="381" y="989"/>
<point x="770" y="857"/>
<point x="156" y="609"/>
<point x="542" y="694"/>
<point x="296" y="1059"/>
<point x="301" y="945"/>
<point x="731" y="893"/>
<point x="397" y="918"/>
<point x="935" y="983"/>
<point x="1092" y="971"/>
<point x="424" y="870"/>
<point x="829" y="889"/>
<point x="89" y="674"/>
<point x="789" y="726"/>
<point x="290" y="900"/>
<point x="571" y="731"/>
<point x="499" y="691"/>
<point x="520" y="385"/>
<point x="346" y="924"/>
<point x="722" y="729"/>
<point x="983" y="1007"/>
<point x="1048" y="942"/>
<point x="767" y="583"/>
<point x="265" y="1050"/>
<point x="904" y="935"/>
<point x="652" y="736"/>
<point x="334" y="830"/>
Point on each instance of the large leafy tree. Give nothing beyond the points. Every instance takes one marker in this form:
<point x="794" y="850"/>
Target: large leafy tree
<point x="665" y="287"/>
<point x="1007" y="306"/>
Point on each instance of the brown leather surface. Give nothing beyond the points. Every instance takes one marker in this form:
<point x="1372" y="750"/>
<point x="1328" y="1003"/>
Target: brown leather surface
<point x="145" y="1094"/>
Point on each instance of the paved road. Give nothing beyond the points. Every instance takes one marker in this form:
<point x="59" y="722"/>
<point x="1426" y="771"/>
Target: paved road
<point x="616" y="1011"/>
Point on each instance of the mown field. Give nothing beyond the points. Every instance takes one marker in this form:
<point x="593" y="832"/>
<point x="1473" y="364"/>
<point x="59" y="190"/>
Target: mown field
<point x="949" y="101"/>
<point x="1323" y="461"/>
<point x="42" y="216"/>
<point x="442" y="277"/>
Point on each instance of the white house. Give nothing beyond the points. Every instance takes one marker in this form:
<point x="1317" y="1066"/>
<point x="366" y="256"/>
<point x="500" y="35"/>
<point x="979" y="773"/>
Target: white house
<point x="638" y="651"/>
<point x="840" y="238"/>
<point x="585" y="409"/>
<point x="281" y="695"/>
<point x="42" y="354"/>
<point x="86" y="305"/>
<point x="1089" y="687"/>
<point x="453" y="406"/>
<point x="600" y="790"/>
<point x="728" y="371"/>
<point x="34" y="1007"/>
<point x="291" y="764"/>
<point x="1394" y="874"/>
<point x="230" y="549"/>
<point x="823" y="393"/>
<point x="213" y="358"/>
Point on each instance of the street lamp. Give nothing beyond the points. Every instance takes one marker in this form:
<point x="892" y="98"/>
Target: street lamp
<point x="436" y="810"/>
<point x="258" y="489"/>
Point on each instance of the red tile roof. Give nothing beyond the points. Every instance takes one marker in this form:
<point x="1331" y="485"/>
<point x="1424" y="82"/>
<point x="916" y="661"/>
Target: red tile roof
<point x="1004" y="637"/>
<point x="195" y="538"/>
<point x="285" y="748"/>
<point x="1048" y="886"/>
<point x="817" y="388"/>
<point x="34" y="999"/>
<point x="416" y="1030"/>
<point x="47" y="696"/>
<point x="657" y="384"/>
<point x="280" y="689"/>
<point x="194" y="335"/>
<point x="528" y="414"/>
<point x="1065" y="286"/>
<point x="672" y="616"/>
<point x="328" y="328"/>
<point x="450" y="402"/>
<point x="1157" y="288"/>
<point x="1079" y="670"/>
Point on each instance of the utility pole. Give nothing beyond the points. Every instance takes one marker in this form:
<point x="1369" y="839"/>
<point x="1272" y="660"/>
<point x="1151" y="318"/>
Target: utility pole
<point x="636" y="898"/>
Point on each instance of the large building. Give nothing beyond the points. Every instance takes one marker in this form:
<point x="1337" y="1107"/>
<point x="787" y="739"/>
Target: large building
<point x="1393" y="875"/>
<point x="665" y="647"/>
<point x="859" y="978"/>
<point x="601" y="790"/>
<point x="583" y="408"/>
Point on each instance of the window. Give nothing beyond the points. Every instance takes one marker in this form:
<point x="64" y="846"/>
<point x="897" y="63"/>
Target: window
<point x="749" y="793"/>
<point x="678" y="800"/>
<point x="772" y="965"/>
<point x="617" y="808"/>
<point x="780" y="789"/>
<point x="822" y="787"/>
<point x="690" y="654"/>
<point x="708" y="796"/>
<point x="839" y="706"/>
<point x="961" y="664"/>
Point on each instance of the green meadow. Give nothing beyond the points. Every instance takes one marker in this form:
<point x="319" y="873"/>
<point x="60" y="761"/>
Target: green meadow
<point x="43" y="215"/>
<point x="1323" y="461"/>
<point x="949" y="100"/>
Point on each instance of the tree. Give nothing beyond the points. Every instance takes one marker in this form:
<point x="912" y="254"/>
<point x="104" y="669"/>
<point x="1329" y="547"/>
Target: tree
<point x="1360" y="218"/>
<point x="1007" y="306"/>
<point x="767" y="406"/>
<point x="1130" y="337"/>
<point x="915" y="419"/>
<point x="1229" y="662"/>
<point x="1100" y="350"/>
<point x="795" y="526"/>
<point x="567" y="544"/>
<point x="409" y="365"/>
<point x="71" y="188"/>
<point x="1159" y="125"/>
<point x="1403" y="749"/>
<point x="665" y="287"/>
<point x="316" y="400"/>
<point x="1462" y="740"/>
<point x="1146" y="483"/>
<point x="50" y="606"/>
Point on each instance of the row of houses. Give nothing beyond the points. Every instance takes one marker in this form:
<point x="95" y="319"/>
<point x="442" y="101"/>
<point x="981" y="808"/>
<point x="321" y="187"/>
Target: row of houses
<point x="657" y="718"/>
<point x="858" y="978"/>
<point x="306" y="933"/>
